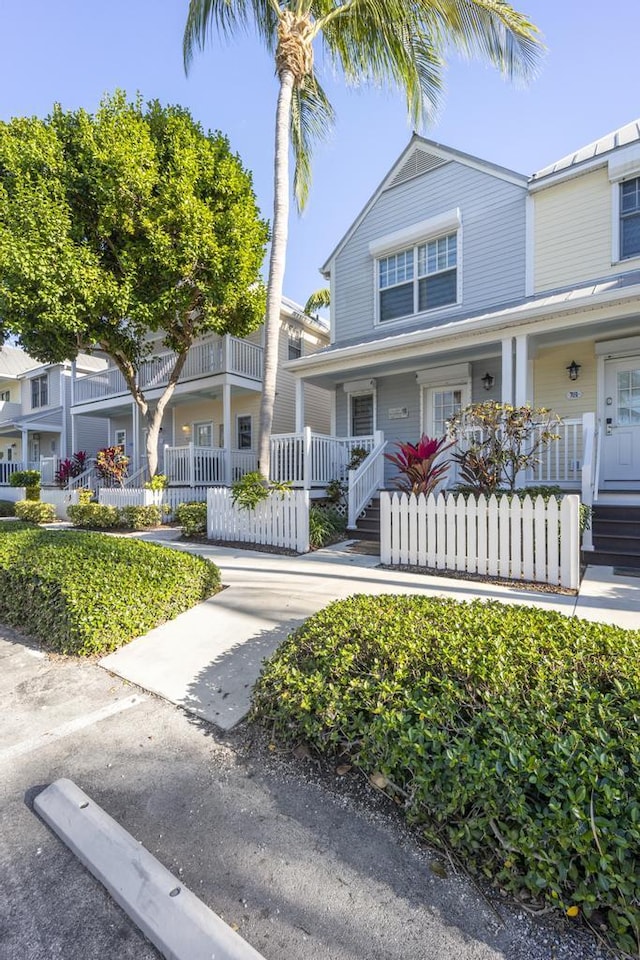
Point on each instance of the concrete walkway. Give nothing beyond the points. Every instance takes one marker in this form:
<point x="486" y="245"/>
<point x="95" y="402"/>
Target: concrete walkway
<point x="208" y="659"/>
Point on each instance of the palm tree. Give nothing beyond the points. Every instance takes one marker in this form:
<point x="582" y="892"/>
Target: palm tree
<point x="395" y="42"/>
<point x="318" y="299"/>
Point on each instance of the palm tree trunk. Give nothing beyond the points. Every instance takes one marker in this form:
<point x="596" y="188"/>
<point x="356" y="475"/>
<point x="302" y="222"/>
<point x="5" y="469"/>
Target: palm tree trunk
<point x="277" y="257"/>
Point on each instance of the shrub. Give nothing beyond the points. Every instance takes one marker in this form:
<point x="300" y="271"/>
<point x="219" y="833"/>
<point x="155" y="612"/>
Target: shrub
<point x="69" y="469"/>
<point x="7" y="508"/>
<point x="112" y="465"/>
<point x="192" y="517"/>
<point x="34" y="511"/>
<point x="140" y="518"/>
<point x="158" y="482"/>
<point x="510" y="734"/>
<point x="252" y="489"/>
<point x="325" y="526"/>
<point x="358" y="454"/>
<point x="85" y="593"/>
<point x="420" y="471"/>
<point x="25" y="478"/>
<point x="94" y="516"/>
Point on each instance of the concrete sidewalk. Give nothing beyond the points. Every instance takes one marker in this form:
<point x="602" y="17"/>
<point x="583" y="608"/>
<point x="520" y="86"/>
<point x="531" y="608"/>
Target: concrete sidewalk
<point x="208" y="659"/>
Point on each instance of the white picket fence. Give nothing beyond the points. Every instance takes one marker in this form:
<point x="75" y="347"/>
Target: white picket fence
<point x="512" y="538"/>
<point x="169" y="498"/>
<point x="282" y="520"/>
<point x="61" y="499"/>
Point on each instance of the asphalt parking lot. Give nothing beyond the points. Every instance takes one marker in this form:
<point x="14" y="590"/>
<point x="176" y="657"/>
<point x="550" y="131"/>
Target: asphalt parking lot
<point x="300" y="870"/>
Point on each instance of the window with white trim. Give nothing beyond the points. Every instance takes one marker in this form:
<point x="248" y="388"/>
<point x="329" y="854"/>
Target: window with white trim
<point x="40" y="391"/>
<point x="203" y="434"/>
<point x="630" y="218"/>
<point x="294" y="344"/>
<point x="421" y="278"/>
<point x="120" y="438"/>
<point x="244" y="432"/>
<point x="362" y="414"/>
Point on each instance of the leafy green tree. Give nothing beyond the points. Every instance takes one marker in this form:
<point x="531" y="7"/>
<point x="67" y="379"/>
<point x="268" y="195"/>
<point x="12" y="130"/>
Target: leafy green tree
<point x="382" y="42"/>
<point x="126" y="231"/>
<point x="318" y="300"/>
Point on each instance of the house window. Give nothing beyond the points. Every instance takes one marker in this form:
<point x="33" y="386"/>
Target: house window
<point x="120" y="439"/>
<point x="295" y="345"/>
<point x="630" y="218"/>
<point x="362" y="415"/>
<point x="203" y="434"/>
<point x="421" y="278"/>
<point x="244" y="433"/>
<point x="40" y="391"/>
<point x="5" y="395"/>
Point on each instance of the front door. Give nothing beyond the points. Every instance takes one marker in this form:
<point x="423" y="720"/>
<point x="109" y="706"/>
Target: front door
<point x="621" y="421"/>
<point x="442" y="403"/>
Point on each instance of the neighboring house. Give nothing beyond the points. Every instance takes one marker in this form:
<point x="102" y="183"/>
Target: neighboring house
<point x="210" y="428"/>
<point x="36" y="429"/>
<point x="460" y="281"/>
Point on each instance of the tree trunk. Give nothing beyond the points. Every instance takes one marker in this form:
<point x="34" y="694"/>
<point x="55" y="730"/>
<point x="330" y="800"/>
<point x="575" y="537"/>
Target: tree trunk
<point x="153" y="422"/>
<point x="277" y="257"/>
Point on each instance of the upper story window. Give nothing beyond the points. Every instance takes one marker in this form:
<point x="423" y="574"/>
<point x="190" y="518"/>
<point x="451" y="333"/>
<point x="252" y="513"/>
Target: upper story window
<point x="5" y="395"/>
<point x="40" y="391"/>
<point x="244" y="432"/>
<point x="295" y="344"/>
<point x="423" y="277"/>
<point x="630" y="218"/>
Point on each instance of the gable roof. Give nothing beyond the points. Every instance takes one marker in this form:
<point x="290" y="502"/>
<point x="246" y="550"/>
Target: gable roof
<point x="14" y="361"/>
<point x="419" y="157"/>
<point x="622" y="137"/>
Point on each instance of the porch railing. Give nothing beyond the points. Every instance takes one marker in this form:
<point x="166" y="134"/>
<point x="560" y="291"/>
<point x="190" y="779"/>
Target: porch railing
<point x="365" y="481"/>
<point x="561" y="460"/>
<point x="214" y="355"/>
<point x="12" y="466"/>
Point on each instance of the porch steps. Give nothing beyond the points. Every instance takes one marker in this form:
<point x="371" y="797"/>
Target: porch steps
<point x="616" y="536"/>
<point x="368" y="526"/>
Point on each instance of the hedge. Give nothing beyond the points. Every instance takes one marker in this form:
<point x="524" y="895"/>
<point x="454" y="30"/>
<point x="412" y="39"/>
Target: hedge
<point x="101" y="516"/>
<point x="35" y="511"/>
<point x="86" y="593"/>
<point x="7" y="508"/>
<point x="192" y="517"/>
<point x="510" y="735"/>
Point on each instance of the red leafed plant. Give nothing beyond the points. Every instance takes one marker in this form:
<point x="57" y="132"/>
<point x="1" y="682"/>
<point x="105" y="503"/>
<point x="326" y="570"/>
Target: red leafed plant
<point x="420" y="473"/>
<point x="68" y="469"/>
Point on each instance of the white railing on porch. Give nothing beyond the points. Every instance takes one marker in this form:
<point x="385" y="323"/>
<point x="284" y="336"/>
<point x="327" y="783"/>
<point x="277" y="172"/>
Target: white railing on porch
<point x="512" y="538"/>
<point x="215" y="355"/>
<point x="13" y="466"/>
<point x="589" y="472"/>
<point x="365" y="481"/>
<point x="560" y="461"/>
<point x="193" y="465"/>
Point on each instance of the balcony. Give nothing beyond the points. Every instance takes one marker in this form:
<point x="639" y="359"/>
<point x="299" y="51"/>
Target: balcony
<point x="205" y="359"/>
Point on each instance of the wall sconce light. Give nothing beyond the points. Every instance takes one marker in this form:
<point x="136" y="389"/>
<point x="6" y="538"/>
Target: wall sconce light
<point x="574" y="370"/>
<point x="488" y="381"/>
<point x="186" y="428"/>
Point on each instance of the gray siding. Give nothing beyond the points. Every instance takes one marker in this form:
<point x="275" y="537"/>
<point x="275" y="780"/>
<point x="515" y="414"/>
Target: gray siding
<point x="493" y="247"/>
<point x="90" y="434"/>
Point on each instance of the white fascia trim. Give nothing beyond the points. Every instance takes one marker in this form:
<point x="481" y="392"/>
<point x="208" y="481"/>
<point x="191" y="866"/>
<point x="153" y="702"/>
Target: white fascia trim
<point x="530" y="246"/>
<point x="417" y="232"/>
<point x="625" y="163"/>
<point x="567" y="173"/>
<point x="472" y="326"/>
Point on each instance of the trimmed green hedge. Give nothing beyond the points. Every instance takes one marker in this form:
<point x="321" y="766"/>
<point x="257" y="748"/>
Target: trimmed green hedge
<point x="35" y="511"/>
<point x="192" y="517"/>
<point x="86" y="593"/>
<point x="100" y="516"/>
<point x="7" y="508"/>
<point x="510" y="734"/>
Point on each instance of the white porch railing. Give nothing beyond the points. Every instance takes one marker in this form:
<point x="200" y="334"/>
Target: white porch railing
<point x="191" y="465"/>
<point x="12" y="466"/>
<point x="215" y="355"/>
<point x="560" y="461"/>
<point x="365" y="481"/>
<point x="589" y="472"/>
<point x="512" y="538"/>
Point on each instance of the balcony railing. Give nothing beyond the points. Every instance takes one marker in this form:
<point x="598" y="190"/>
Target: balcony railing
<point x="214" y="355"/>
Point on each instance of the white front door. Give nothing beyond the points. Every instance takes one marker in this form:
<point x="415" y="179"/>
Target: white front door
<point x="621" y="421"/>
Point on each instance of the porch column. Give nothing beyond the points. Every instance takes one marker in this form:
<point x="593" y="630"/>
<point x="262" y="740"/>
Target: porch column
<point x="522" y="386"/>
<point x="507" y="370"/>
<point x="25" y="446"/>
<point x="226" y="431"/>
<point x="299" y="405"/>
<point x="333" y="410"/>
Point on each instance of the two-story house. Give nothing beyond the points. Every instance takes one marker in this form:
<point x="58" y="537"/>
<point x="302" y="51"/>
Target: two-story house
<point x="36" y="428"/>
<point x="461" y="281"/>
<point x="209" y="428"/>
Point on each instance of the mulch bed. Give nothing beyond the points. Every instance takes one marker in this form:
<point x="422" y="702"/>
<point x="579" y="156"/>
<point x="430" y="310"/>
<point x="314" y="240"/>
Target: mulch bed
<point x="527" y="585"/>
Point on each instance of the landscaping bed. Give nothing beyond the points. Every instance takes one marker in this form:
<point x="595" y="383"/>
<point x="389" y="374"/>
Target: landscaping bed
<point x="87" y="593"/>
<point x="508" y="735"/>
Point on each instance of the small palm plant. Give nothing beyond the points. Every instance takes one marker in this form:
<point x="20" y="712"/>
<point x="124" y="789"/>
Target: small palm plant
<point x="421" y="465"/>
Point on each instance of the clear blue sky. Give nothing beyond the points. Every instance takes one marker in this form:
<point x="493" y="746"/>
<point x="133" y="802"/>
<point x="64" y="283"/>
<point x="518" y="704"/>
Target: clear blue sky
<point x="72" y="51"/>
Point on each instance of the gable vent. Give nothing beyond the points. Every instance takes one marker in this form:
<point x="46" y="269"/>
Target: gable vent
<point x="417" y="163"/>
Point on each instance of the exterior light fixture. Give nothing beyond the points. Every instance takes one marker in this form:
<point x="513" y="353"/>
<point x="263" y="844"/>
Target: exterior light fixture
<point x="574" y="370"/>
<point x="488" y="381"/>
<point x="186" y="428"/>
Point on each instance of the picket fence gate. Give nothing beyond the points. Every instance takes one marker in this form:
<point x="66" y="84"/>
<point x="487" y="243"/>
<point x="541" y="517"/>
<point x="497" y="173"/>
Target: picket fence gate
<point x="527" y="539"/>
<point x="282" y="520"/>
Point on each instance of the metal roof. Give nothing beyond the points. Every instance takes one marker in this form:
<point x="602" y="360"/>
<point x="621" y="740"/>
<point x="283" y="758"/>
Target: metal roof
<point x="621" y="137"/>
<point x="14" y="361"/>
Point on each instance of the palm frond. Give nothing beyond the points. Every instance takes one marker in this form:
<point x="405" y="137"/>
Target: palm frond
<point x="227" y="16"/>
<point x="318" y="300"/>
<point x="312" y="120"/>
